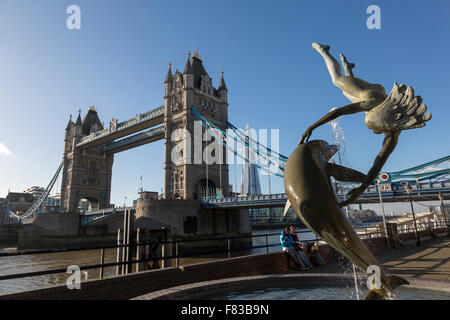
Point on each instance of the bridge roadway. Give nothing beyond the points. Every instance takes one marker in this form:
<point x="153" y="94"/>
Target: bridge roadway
<point x="140" y="122"/>
<point x="391" y="192"/>
<point x="134" y="141"/>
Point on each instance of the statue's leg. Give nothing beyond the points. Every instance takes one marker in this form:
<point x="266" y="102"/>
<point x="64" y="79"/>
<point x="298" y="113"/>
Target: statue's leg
<point x="353" y="88"/>
<point x="334" y="69"/>
<point x="348" y="66"/>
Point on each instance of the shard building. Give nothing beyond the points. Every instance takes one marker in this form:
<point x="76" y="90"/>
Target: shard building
<point x="250" y="178"/>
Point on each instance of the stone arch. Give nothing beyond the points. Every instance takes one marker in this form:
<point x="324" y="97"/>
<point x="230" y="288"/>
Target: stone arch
<point x="204" y="188"/>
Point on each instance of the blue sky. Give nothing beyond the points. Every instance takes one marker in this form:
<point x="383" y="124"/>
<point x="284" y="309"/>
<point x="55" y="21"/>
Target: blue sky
<point x="119" y="61"/>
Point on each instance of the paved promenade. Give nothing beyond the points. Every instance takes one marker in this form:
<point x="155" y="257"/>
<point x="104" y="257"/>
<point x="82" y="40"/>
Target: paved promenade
<point x="431" y="260"/>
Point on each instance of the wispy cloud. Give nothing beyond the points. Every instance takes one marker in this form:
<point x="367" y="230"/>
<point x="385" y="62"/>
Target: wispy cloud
<point x="4" y="150"/>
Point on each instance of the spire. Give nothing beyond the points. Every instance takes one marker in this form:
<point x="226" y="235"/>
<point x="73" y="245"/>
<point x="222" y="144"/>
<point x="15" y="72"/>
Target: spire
<point x="78" y="123"/>
<point x="196" y="55"/>
<point x="169" y="73"/>
<point x="92" y="107"/>
<point x="187" y="68"/>
<point x="222" y="85"/>
<point x="69" y="124"/>
<point x="197" y="69"/>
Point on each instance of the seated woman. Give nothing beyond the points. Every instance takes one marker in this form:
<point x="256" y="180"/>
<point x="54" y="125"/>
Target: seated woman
<point x="298" y="248"/>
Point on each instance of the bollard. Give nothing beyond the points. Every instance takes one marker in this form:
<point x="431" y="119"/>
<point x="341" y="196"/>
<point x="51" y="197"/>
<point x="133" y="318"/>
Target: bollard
<point x="163" y="254"/>
<point x="267" y="244"/>
<point x="128" y="267"/>
<point x="118" y="255"/>
<point x="102" y="261"/>
<point x="138" y="250"/>
<point x="124" y="241"/>
<point x="177" y="253"/>
<point x="229" y="248"/>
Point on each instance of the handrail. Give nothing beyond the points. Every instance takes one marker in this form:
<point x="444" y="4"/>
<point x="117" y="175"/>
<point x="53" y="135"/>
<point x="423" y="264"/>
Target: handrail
<point x="163" y="258"/>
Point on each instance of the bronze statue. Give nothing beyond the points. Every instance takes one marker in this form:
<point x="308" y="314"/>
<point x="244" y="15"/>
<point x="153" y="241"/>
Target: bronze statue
<point x="309" y="190"/>
<point x="308" y="170"/>
<point x="388" y="114"/>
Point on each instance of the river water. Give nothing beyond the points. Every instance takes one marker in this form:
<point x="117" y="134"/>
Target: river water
<point x="40" y="262"/>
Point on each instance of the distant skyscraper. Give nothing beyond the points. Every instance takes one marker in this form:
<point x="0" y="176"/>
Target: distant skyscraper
<point x="250" y="178"/>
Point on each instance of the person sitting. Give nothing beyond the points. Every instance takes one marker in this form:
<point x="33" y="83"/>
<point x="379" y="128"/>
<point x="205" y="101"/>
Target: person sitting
<point x="298" y="248"/>
<point x="314" y="256"/>
<point x="288" y="248"/>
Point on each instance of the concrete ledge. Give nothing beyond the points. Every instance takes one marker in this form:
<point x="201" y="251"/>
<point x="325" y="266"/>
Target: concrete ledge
<point x="239" y="282"/>
<point x="136" y="284"/>
<point x="190" y="291"/>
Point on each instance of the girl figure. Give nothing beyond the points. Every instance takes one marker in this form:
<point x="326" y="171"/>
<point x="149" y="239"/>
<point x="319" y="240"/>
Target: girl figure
<point x="388" y="114"/>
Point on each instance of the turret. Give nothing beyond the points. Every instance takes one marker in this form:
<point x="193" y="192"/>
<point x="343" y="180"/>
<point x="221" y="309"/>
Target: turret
<point x="223" y="91"/>
<point x="188" y="75"/>
<point x="168" y="83"/>
<point x="78" y="132"/>
<point x="69" y="127"/>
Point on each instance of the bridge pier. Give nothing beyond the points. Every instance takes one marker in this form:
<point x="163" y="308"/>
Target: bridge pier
<point x="49" y="230"/>
<point x="186" y="219"/>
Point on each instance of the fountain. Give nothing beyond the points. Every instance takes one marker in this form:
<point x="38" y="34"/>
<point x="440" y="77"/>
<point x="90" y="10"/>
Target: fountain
<point x="299" y="286"/>
<point x="308" y="169"/>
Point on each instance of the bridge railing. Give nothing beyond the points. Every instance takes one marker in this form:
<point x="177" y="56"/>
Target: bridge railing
<point x="421" y="226"/>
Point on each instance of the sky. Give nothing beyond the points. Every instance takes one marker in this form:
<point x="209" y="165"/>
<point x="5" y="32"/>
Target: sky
<point x="119" y="58"/>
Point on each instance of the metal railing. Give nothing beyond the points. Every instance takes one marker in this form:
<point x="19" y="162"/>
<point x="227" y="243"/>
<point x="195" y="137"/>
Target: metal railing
<point x="369" y="232"/>
<point x="422" y="226"/>
<point x="164" y="257"/>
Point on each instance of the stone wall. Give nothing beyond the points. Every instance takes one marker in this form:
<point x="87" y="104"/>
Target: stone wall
<point x="53" y="225"/>
<point x="186" y="218"/>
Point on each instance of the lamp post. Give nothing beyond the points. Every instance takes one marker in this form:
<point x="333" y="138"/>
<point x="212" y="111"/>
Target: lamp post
<point x="409" y="190"/>
<point x="443" y="211"/>
<point x="382" y="211"/>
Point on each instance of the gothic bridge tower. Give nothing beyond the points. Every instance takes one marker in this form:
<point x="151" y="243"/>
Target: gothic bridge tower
<point x="192" y="177"/>
<point x="86" y="172"/>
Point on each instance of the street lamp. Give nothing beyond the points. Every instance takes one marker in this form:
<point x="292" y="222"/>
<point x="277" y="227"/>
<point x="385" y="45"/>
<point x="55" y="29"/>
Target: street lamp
<point x="443" y="211"/>
<point x="409" y="190"/>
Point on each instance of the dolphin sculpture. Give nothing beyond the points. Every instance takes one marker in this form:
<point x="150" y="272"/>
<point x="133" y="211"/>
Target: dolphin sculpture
<point x="311" y="195"/>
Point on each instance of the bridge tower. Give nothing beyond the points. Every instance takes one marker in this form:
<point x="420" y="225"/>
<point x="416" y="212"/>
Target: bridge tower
<point x="191" y="177"/>
<point x="87" y="172"/>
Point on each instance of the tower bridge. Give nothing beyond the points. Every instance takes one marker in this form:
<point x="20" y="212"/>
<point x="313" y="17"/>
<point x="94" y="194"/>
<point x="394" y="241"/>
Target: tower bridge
<point x="190" y="97"/>
<point x="90" y="148"/>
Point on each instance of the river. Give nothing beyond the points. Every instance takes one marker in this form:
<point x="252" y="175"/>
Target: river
<point x="39" y="262"/>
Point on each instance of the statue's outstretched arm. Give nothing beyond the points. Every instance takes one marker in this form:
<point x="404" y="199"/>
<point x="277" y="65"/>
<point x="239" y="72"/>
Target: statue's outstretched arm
<point x="389" y="144"/>
<point x="336" y="113"/>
